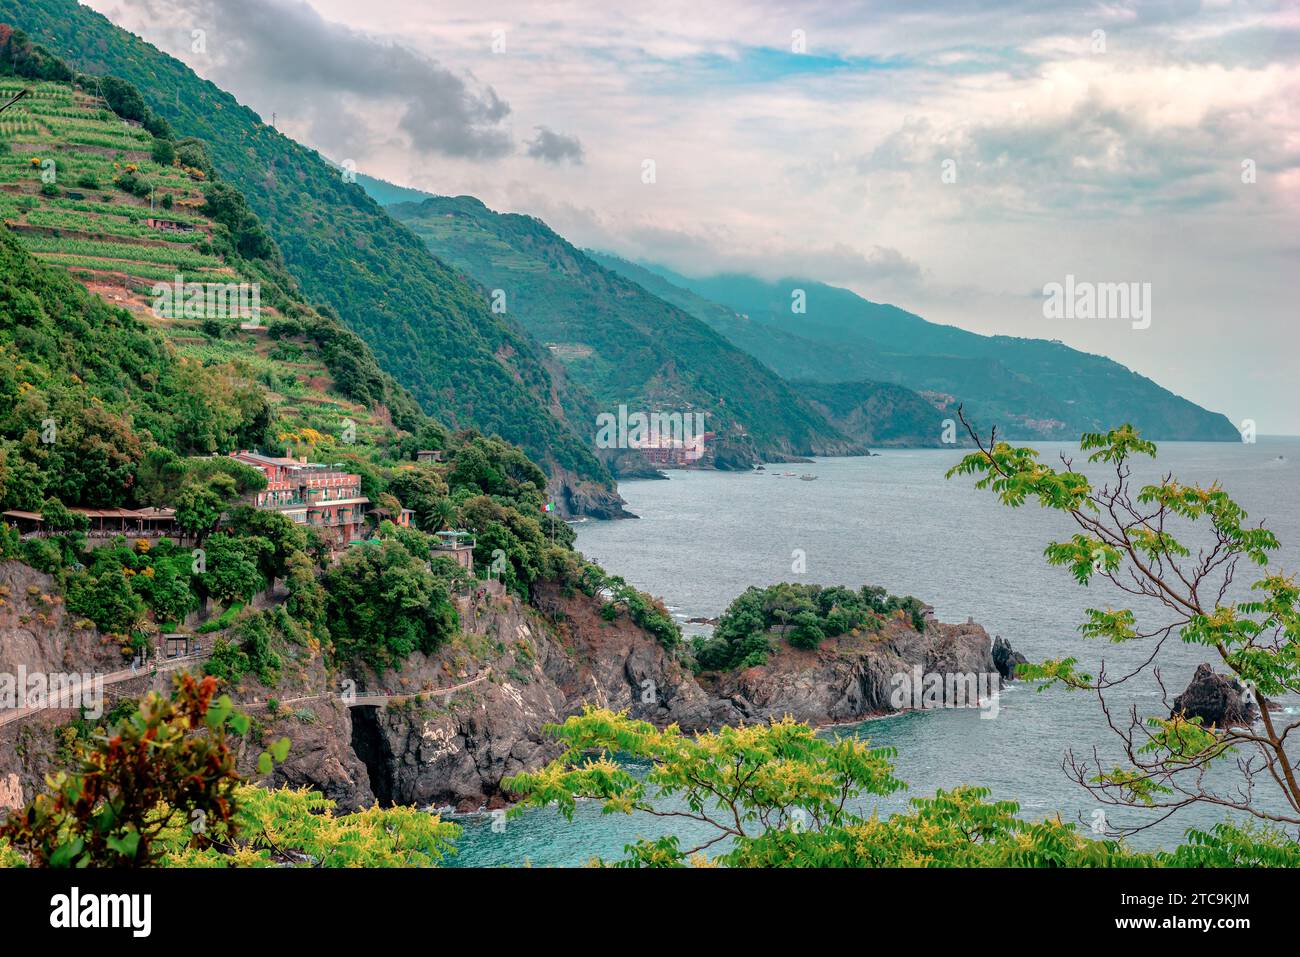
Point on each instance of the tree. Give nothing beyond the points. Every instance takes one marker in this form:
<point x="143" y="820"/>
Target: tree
<point x="285" y="536"/>
<point x="421" y="489"/>
<point x="306" y="601"/>
<point x="107" y="599"/>
<point x="806" y="631"/>
<point x="778" y="795"/>
<point x="166" y="590"/>
<point x="200" y="504"/>
<point x="169" y="760"/>
<point x="1131" y="537"/>
<point x="297" y="827"/>
<point x="57" y="518"/>
<point x="158" y="477"/>
<point x="382" y="604"/>
<point x="443" y="515"/>
<point x="234" y="567"/>
<point x="164" y="153"/>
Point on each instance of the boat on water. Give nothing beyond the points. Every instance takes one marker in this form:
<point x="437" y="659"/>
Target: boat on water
<point x="807" y="478"/>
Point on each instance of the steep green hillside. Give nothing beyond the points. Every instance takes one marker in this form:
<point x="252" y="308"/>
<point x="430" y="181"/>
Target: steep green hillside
<point x="114" y="394"/>
<point x="429" y="327"/>
<point x="884" y="415"/>
<point x="1029" y="387"/>
<point x="88" y="383"/>
<point x="623" y="345"/>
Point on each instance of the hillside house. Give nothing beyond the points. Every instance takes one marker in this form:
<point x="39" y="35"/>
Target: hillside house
<point x="428" y="455"/>
<point x="168" y="225"/>
<point x="404" y="518"/>
<point x="458" y="546"/>
<point x="318" y="496"/>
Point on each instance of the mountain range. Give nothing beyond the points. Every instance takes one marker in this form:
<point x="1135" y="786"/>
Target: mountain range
<point x="575" y="333"/>
<point x="1029" y="388"/>
<point x="620" y="343"/>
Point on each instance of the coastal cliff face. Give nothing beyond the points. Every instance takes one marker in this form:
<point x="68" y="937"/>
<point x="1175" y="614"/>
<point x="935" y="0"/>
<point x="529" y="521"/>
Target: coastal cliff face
<point x="38" y="633"/>
<point x="515" y="669"/>
<point x="853" y="677"/>
<point x="520" y="667"/>
<point x="452" y="725"/>
<point x="579" y="497"/>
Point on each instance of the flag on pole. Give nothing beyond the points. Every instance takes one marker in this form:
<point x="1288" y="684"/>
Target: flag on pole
<point x="548" y="507"/>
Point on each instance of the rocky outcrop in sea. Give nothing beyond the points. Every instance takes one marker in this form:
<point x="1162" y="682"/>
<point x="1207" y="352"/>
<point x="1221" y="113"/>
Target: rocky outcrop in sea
<point x="1216" y="699"/>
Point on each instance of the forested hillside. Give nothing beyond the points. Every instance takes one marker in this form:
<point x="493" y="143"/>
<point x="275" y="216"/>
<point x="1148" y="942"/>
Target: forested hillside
<point x="619" y="342"/>
<point x="428" y="326"/>
<point x="1028" y="387"/>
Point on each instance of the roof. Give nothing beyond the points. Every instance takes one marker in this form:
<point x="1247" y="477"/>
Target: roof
<point x="148" y="514"/>
<point x="155" y="513"/>
<point x="268" y="459"/>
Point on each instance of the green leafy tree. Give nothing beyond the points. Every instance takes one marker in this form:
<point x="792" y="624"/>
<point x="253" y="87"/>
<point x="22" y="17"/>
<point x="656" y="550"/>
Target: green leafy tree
<point x="286" y="538"/>
<point x="166" y="588"/>
<point x="158" y="477"/>
<point x="58" y="518"/>
<point x="306" y="601"/>
<point x="1132" y="536"/>
<point x="107" y="599"/>
<point x="234" y="567"/>
<point x="199" y="505"/>
<point x="806" y="630"/>
<point x="422" y="489"/>
<point x="296" y="827"/>
<point x="779" y="795"/>
<point x="383" y="604"/>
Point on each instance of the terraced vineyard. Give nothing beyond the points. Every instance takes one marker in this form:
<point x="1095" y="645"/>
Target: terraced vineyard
<point x="86" y="191"/>
<point x="61" y="188"/>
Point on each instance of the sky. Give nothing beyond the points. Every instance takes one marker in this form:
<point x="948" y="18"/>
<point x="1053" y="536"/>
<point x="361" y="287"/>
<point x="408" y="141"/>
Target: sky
<point x="953" y="158"/>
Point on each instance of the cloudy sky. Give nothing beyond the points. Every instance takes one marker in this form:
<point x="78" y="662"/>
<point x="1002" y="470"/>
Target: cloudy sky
<point x="949" y="157"/>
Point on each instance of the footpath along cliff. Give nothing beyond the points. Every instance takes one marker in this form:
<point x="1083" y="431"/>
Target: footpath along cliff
<point x="448" y="727"/>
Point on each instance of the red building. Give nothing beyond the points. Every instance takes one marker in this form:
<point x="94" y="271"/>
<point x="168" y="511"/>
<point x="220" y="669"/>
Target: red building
<point x="318" y="496"/>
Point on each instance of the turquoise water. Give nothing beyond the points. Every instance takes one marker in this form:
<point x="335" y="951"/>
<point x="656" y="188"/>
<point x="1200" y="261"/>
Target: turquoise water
<point x="893" y="520"/>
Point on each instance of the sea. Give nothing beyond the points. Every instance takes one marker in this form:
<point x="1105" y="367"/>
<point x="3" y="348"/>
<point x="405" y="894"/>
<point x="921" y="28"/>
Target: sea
<point x="893" y="519"/>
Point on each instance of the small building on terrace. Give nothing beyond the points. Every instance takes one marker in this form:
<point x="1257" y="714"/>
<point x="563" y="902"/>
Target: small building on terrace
<point x="458" y="546"/>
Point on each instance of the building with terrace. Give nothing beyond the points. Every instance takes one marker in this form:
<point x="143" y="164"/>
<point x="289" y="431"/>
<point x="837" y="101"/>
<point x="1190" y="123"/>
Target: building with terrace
<point x="105" y="523"/>
<point x="322" y="497"/>
<point x="458" y="546"/>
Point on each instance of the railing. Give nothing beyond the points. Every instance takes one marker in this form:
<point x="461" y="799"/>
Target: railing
<point x="74" y="695"/>
<point x="111" y="533"/>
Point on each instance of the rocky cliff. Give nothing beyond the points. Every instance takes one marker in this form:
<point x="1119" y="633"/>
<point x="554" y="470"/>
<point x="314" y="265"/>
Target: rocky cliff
<point x="448" y="727"/>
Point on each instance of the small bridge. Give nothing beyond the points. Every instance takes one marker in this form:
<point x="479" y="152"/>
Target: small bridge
<point x="72" y="695"/>
<point x="381" y="698"/>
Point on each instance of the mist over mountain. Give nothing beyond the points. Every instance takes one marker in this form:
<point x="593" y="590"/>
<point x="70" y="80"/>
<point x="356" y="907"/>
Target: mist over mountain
<point x="1029" y="388"/>
<point x="619" y="342"/>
